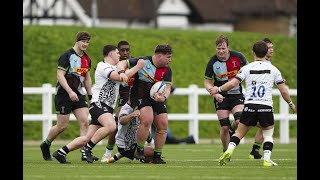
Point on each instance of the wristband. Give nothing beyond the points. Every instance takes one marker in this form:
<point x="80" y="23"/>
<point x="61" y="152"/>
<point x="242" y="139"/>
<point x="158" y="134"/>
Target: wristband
<point x="220" y="89"/>
<point x="290" y="103"/>
<point x="121" y="71"/>
<point x="90" y="97"/>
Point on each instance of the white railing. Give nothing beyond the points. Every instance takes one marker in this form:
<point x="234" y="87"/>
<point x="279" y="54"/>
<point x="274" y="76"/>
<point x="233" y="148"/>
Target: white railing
<point x="192" y="116"/>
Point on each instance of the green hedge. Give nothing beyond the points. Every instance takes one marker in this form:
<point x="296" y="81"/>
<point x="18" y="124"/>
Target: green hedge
<point x="42" y="46"/>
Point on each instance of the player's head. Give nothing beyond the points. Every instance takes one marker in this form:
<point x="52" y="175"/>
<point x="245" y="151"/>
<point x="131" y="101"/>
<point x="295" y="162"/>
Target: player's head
<point x="222" y="47"/>
<point x="260" y="49"/>
<point x="270" y="47"/>
<point x="112" y="52"/>
<point x="163" y="54"/>
<point x="124" y="50"/>
<point x="82" y="40"/>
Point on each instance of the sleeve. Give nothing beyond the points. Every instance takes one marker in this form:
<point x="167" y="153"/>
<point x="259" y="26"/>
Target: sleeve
<point x="125" y="110"/>
<point x="64" y="62"/>
<point x="105" y="71"/>
<point x="241" y="74"/>
<point x="277" y="77"/>
<point x="243" y="60"/>
<point x="209" y="70"/>
<point x="168" y="76"/>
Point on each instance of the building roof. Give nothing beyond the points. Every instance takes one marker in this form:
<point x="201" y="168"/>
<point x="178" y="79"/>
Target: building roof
<point x="202" y="11"/>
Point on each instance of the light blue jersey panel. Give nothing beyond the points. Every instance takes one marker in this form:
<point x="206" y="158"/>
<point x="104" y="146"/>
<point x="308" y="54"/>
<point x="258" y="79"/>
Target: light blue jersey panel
<point x="75" y="62"/>
<point x="220" y="68"/>
<point x="147" y="73"/>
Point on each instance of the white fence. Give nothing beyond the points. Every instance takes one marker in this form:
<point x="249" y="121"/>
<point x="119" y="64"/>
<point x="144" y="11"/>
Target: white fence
<point x="192" y="116"/>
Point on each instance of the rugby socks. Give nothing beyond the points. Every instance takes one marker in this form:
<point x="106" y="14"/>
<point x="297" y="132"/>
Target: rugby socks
<point x="157" y="152"/>
<point x="90" y="145"/>
<point x="256" y="147"/>
<point x="109" y="148"/>
<point x="140" y="147"/>
<point x="64" y="150"/>
<point x="48" y="142"/>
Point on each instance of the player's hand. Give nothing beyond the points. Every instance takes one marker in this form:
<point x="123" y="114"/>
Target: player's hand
<point x="212" y="91"/>
<point x="158" y="97"/>
<point x="123" y="77"/>
<point x="293" y="107"/>
<point x="219" y="98"/>
<point x="136" y="113"/>
<point x="73" y="96"/>
<point x="140" y="63"/>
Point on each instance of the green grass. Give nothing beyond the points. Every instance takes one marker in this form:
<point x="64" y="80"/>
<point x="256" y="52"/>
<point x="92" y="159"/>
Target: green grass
<point x="183" y="162"/>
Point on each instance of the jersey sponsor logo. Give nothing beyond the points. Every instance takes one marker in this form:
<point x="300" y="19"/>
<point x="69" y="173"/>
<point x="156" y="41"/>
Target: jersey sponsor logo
<point x="264" y="110"/>
<point x="80" y="70"/>
<point x="248" y="109"/>
<point x="230" y="73"/>
<point x="130" y="81"/>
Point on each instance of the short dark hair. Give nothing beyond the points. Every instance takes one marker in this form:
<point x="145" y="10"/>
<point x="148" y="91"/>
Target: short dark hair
<point x="260" y="48"/>
<point x="83" y="35"/>
<point x="107" y="49"/>
<point x="163" y="48"/>
<point x="220" y="39"/>
<point x="266" y="40"/>
<point x="122" y="43"/>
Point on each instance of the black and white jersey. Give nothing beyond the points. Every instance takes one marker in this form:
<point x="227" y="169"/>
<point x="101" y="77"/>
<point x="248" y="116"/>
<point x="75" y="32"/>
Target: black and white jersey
<point x="105" y="90"/>
<point x="126" y="135"/>
<point x="259" y="76"/>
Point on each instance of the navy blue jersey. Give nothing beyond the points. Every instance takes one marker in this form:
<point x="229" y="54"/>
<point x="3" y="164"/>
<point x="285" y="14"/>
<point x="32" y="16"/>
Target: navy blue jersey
<point x="223" y="71"/>
<point x="148" y="75"/>
<point x="76" y="68"/>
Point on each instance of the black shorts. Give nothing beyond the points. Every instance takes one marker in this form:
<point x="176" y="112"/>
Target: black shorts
<point x="64" y="105"/>
<point x="253" y="113"/>
<point x="158" y="107"/>
<point x="96" y="109"/>
<point x="229" y="102"/>
<point x="128" y="153"/>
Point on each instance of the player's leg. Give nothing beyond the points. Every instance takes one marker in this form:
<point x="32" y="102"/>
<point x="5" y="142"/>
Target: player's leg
<point x="234" y="141"/>
<point x="77" y="143"/>
<point x="223" y="116"/>
<point x="63" y="108"/>
<point x="111" y="139"/>
<point x="161" y="123"/>
<point x="258" y="140"/>
<point x="146" y="118"/>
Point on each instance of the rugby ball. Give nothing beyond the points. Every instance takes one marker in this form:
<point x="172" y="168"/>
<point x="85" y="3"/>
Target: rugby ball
<point x="159" y="87"/>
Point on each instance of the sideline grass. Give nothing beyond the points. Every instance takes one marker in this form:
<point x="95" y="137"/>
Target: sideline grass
<point x="184" y="161"/>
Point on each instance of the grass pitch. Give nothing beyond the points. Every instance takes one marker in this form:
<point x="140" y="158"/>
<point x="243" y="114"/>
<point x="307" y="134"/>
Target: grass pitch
<point x="184" y="161"/>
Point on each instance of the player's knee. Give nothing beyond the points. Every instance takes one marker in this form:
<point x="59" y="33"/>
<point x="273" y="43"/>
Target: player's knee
<point x="224" y="122"/>
<point x="237" y="115"/>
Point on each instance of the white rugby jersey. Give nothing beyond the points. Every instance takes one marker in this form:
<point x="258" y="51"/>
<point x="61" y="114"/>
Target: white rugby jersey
<point x="126" y="135"/>
<point x="259" y="78"/>
<point x="105" y="90"/>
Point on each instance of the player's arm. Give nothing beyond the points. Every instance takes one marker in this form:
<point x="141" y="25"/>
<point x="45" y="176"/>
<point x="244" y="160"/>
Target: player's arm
<point x="227" y="86"/>
<point x="63" y="82"/>
<point x="285" y="95"/>
<point x="140" y="64"/>
<point x="124" y="119"/>
<point x="88" y="85"/>
<point x="208" y="85"/>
